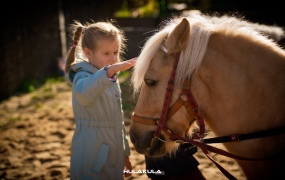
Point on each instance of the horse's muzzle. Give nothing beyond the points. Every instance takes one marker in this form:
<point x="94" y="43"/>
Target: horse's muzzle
<point x="147" y="144"/>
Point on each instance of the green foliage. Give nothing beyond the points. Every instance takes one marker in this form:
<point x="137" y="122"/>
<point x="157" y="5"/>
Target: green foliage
<point x="27" y="86"/>
<point x="54" y="80"/>
<point x="159" y="8"/>
<point x="126" y="106"/>
<point x="124" y="11"/>
<point x="33" y="95"/>
<point x="150" y="9"/>
<point x="31" y="85"/>
<point x="43" y="95"/>
<point x="124" y="74"/>
<point x="47" y="91"/>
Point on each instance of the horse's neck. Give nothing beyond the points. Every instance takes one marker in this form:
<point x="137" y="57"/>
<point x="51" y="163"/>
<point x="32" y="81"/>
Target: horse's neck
<point x="241" y="84"/>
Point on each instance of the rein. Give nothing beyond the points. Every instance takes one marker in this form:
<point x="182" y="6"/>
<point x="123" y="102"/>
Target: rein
<point x="192" y="109"/>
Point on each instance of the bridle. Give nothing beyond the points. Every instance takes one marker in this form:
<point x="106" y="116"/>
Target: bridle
<point x="192" y="110"/>
<point x="190" y="105"/>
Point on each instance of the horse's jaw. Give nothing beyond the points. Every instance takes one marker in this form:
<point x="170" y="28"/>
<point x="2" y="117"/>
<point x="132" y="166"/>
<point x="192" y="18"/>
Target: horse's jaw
<point x="148" y="145"/>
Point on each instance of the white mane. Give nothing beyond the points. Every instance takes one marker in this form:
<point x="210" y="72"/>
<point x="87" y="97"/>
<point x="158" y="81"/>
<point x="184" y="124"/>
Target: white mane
<point x="201" y="28"/>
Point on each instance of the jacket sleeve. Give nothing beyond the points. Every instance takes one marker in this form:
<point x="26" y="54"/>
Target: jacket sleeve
<point x="126" y="141"/>
<point x="87" y="87"/>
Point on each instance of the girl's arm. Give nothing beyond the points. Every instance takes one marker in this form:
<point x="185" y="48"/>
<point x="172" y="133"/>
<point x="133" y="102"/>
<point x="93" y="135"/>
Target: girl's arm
<point x="121" y="66"/>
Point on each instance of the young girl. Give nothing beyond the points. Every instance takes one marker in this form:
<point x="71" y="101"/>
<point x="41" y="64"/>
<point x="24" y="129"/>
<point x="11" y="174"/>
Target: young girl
<point x="100" y="149"/>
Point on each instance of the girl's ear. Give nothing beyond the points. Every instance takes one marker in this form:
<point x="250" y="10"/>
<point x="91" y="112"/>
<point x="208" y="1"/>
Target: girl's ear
<point x="87" y="53"/>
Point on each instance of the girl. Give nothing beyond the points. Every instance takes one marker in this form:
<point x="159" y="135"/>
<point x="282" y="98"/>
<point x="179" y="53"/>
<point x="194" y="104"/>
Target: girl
<point x="100" y="147"/>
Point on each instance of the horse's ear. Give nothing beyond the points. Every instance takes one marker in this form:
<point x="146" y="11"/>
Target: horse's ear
<point x="178" y="38"/>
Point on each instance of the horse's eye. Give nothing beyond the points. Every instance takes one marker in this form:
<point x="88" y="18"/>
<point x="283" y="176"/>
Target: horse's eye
<point x="150" y="83"/>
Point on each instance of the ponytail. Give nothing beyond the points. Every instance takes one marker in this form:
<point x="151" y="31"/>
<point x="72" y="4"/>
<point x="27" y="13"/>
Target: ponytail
<point x="71" y="53"/>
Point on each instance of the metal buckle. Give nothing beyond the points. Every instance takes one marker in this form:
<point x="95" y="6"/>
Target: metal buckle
<point x="234" y="137"/>
<point x="162" y="47"/>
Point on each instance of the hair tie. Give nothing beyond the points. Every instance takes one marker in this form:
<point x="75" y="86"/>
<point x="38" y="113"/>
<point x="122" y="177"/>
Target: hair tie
<point x="74" y="45"/>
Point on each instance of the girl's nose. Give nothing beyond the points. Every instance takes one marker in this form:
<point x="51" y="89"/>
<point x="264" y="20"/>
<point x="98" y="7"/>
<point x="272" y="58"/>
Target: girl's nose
<point x="113" y="58"/>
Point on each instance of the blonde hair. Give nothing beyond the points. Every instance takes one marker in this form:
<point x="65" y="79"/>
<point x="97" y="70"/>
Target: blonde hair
<point x="89" y="36"/>
<point x="202" y="27"/>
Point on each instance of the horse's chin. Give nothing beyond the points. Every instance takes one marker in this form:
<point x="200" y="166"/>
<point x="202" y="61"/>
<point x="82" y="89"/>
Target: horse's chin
<point x="157" y="148"/>
<point x="141" y="142"/>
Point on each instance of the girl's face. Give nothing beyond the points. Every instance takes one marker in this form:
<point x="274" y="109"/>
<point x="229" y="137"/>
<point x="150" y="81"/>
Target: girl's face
<point x="107" y="53"/>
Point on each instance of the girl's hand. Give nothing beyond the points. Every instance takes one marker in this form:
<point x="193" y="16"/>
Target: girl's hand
<point x="121" y="66"/>
<point x="128" y="166"/>
<point x="132" y="61"/>
<point x="125" y="65"/>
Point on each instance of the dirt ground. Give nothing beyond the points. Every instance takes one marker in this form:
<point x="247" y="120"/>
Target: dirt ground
<point x="36" y="131"/>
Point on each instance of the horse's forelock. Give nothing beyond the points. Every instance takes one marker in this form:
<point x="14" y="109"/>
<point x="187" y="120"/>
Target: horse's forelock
<point x="195" y="49"/>
<point x="147" y="53"/>
<point x="191" y="57"/>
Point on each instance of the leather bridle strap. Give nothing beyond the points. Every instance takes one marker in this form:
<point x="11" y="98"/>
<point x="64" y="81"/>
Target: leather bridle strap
<point x="164" y="113"/>
<point x="240" y="137"/>
<point x="172" y="110"/>
<point x="180" y="102"/>
<point x="185" y="91"/>
<point x="207" y="148"/>
<point x="144" y="120"/>
<point x="194" y="105"/>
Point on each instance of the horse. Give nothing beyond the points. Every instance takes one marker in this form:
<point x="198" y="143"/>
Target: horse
<point x="197" y="75"/>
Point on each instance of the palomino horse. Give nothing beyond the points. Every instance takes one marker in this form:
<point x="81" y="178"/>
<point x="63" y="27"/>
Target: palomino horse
<point x="196" y="70"/>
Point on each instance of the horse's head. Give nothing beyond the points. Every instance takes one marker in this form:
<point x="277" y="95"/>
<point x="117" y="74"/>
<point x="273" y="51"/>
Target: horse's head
<point x="151" y="76"/>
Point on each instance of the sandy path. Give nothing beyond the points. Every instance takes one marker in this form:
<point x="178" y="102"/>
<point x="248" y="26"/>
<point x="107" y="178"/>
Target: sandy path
<point x="36" y="131"/>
